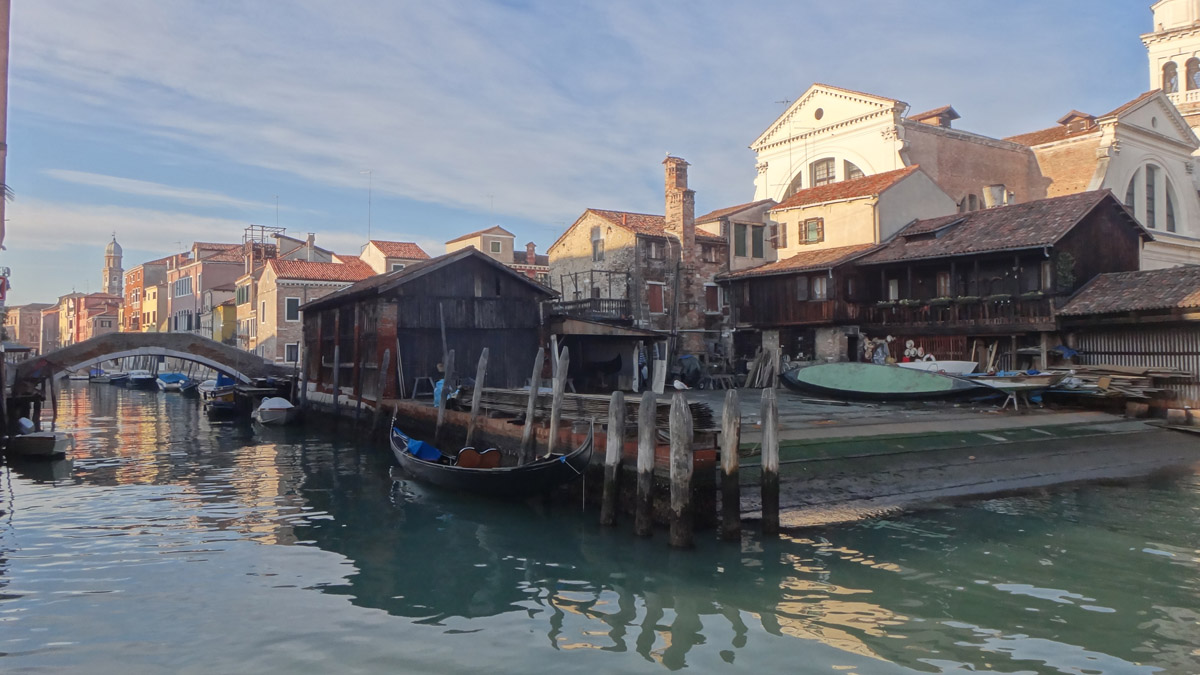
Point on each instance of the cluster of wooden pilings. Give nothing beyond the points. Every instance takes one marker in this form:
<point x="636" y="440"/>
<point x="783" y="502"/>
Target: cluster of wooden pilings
<point x="681" y="518"/>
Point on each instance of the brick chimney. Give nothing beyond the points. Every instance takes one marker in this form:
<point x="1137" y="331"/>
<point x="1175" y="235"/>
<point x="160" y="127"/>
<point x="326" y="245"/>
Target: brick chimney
<point x="530" y="253"/>
<point x="681" y="207"/>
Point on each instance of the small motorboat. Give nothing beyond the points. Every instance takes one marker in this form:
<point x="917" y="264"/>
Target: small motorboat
<point x="99" y="377"/>
<point x="190" y="388"/>
<point x="118" y="377"/>
<point x="481" y="473"/>
<point x="171" y="381"/>
<point x="943" y="367"/>
<point x="275" y="411"/>
<point x="219" y="397"/>
<point x="31" y="444"/>
<point x="78" y="376"/>
<point x="140" y="379"/>
<point x="873" y="382"/>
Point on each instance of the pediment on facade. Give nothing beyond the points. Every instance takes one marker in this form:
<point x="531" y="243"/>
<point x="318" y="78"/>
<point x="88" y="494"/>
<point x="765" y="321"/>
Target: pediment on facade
<point x="1154" y="113"/>
<point x="823" y="106"/>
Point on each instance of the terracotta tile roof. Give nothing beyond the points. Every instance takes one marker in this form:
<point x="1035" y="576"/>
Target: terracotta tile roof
<point x="1051" y="135"/>
<point x="224" y="256"/>
<point x="401" y="249"/>
<point x="867" y="186"/>
<point x="803" y="262"/>
<point x="1173" y="288"/>
<point x="212" y="246"/>
<point x="1029" y="225"/>
<point x="496" y="230"/>
<point x="721" y="213"/>
<point x="645" y="224"/>
<point x="320" y="271"/>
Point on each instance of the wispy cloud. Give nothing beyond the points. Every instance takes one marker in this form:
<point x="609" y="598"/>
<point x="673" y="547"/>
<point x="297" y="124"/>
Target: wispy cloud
<point x="142" y="188"/>
<point x="549" y="107"/>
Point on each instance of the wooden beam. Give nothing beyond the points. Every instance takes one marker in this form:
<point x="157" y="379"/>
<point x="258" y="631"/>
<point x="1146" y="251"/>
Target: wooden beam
<point x="476" y="393"/>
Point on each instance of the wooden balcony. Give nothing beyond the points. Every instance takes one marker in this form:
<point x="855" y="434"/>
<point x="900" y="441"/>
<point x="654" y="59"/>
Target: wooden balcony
<point x="998" y="313"/>
<point x="592" y="309"/>
<point x="797" y="313"/>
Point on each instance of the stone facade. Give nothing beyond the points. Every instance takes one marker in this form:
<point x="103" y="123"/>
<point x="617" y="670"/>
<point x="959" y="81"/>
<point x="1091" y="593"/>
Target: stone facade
<point x="23" y="324"/>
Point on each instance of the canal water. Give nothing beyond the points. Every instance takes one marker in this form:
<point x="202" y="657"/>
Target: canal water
<point x="173" y="545"/>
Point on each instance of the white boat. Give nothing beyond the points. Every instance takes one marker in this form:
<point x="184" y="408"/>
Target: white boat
<point x="171" y="381"/>
<point x="37" y="444"/>
<point x="1019" y="381"/>
<point x="275" y="410"/>
<point x="207" y="387"/>
<point x="141" y="379"/>
<point x="943" y="367"/>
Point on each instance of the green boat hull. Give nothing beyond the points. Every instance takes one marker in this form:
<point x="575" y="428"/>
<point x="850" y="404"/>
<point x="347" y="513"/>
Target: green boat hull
<point x="871" y="382"/>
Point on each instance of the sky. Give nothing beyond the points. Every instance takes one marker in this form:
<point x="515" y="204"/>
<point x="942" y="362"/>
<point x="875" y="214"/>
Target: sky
<point x="188" y="120"/>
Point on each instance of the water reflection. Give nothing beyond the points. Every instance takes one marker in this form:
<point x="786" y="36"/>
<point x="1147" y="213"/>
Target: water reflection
<point x="1101" y="579"/>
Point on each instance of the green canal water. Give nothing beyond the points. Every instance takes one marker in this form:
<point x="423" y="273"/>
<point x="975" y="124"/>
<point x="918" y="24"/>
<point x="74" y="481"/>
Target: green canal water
<point x="172" y="545"/>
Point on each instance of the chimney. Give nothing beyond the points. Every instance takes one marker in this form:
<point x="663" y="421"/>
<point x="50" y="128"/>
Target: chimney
<point x="530" y="253"/>
<point x="680" y="204"/>
<point x="996" y="195"/>
<point x="311" y="244"/>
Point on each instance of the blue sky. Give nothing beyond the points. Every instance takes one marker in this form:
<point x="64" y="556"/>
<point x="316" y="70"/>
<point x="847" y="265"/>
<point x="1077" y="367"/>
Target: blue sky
<point x="185" y="120"/>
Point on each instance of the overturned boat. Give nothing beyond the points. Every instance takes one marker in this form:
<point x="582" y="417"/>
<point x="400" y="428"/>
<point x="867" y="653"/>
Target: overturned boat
<point x="872" y="382"/>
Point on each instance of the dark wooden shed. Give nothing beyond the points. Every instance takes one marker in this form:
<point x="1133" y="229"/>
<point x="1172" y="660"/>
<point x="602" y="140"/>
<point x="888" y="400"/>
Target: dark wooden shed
<point x="479" y="301"/>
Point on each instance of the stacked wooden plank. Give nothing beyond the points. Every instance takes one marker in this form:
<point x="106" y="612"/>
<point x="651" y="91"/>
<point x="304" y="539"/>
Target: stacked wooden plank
<point x="763" y="371"/>
<point x="586" y="407"/>
<point x="1128" y="381"/>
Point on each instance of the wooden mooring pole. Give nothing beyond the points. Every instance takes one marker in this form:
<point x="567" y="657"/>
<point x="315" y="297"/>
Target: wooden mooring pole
<point x="560" y="383"/>
<point x="612" y="458"/>
<point x="681" y="519"/>
<point x="446" y="378"/>
<point x="528" y="437"/>
<point x="337" y="371"/>
<point x="731" y="491"/>
<point x="383" y="378"/>
<point x="476" y="393"/>
<point x="770" y="463"/>
<point x="53" y="405"/>
<point x="643" y="522"/>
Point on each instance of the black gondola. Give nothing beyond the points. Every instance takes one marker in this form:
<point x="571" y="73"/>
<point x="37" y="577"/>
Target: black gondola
<point x="502" y="482"/>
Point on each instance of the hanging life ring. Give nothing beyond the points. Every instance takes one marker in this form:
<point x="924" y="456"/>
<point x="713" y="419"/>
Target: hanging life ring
<point x="928" y="357"/>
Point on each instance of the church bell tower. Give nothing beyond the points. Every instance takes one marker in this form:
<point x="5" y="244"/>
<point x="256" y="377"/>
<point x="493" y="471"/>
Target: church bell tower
<point x="114" y="276"/>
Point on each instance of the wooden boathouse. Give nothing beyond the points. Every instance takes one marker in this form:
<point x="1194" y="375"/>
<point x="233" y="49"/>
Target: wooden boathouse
<point x="463" y="301"/>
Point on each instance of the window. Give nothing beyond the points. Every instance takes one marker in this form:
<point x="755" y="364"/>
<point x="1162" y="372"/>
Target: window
<point x="396" y="267"/>
<point x="1046" y="276"/>
<point x="739" y="240"/>
<point x="182" y="287"/>
<point x="852" y="171"/>
<point x="1170" y="78"/>
<point x="708" y="253"/>
<point x="823" y="172"/>
<point x="943" y="285"/>
<point x="1150" y="180"/>
<point x="780" y="235"/>
<point x="801" y="289"/>
<point x="655" y="249"/>
<point x="262" y="313"/>
<point x="495" y="247"/>
<point x="1170" y="209"/>
<point x="654" y="297"/>
<point x="1192" y="80"/>
<point x="893" y="289"/>
<point x="597" y="245"/>
<point x="756" y="243"/>
<point x="291" y="352"/>
<point x="291" y="309"/>
<point x="819" y="288"/>
<point x="812" y="231"/>
<point x="1131" y="191"/>
<point x="712" y="302"/>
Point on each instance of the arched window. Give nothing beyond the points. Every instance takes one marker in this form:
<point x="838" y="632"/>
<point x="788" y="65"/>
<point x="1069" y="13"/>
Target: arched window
<point x="1192" y="81"/>
<point x="1170" y="78"/>
<point x="1131" y="192"/>
<point x="823" y="172"/>
<point x="1151" y="193"/>
<point x="852" y="171"/>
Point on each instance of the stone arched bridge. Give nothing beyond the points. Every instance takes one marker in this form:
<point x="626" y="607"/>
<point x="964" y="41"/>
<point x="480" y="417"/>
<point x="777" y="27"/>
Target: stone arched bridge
<point x="232" y="361"/>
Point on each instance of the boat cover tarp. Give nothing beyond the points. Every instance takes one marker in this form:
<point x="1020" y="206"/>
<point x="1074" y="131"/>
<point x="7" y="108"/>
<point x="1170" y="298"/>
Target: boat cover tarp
<point x="423" y="450"/>
<point x="275" y="403"/>
<point x="172" y="378"/>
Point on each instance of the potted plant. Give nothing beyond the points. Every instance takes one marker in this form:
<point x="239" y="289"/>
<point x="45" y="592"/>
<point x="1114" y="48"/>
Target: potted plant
<point x="911" y="302"/>
<point x="998" y="297"/>
<point x="886" y="304"/>
<point x="940" y="302"/>
<point x="1033" y="295"/>
<point x="967" y="300"/>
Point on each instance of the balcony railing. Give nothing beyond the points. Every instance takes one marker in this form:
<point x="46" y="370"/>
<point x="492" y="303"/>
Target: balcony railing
<point x="795" y="313"/>
<point x="592" y="308"/>
<point x="988" y="311"/>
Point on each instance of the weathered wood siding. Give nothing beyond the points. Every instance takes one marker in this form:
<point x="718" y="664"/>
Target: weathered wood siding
<point x="1146" y="346"/>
